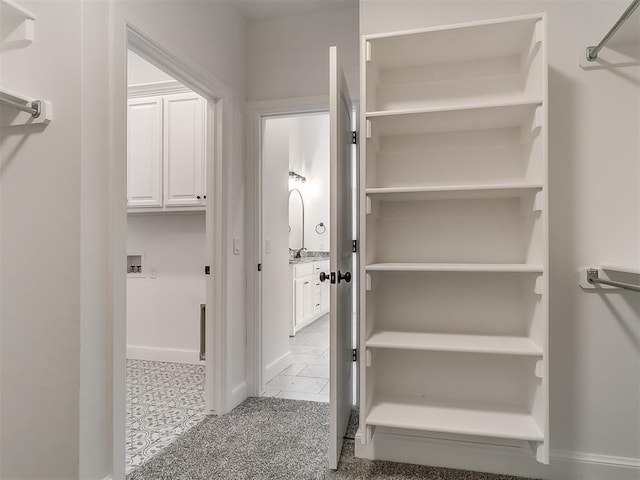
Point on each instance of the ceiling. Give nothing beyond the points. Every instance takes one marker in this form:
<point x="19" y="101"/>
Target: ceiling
<point x="256" y="10"/>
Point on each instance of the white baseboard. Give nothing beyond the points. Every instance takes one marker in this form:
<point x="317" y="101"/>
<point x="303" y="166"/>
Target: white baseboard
<point x="630" y="463"/>
<point x="136" y="352"/>
<point x="496" y="459"/>
<point x="276" y="367"/>
<point x="238" y="395"/>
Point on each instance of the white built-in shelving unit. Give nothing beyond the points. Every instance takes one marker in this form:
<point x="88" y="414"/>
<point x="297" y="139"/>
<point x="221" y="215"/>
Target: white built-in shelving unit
<point x="453" y="227"/>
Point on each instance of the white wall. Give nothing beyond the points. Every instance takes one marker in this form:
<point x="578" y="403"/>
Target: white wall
<point x="594" y="167"/>
<point x="309" y="156"/>
<point x="96" y="328"/>
<point x="140" y="72"/>
<point x="163" y="313"/>
<point x="289" y="57"/>
<point x="276" y="279"/>
<point x="57" y="186"/>
<point x="40" y="185"/>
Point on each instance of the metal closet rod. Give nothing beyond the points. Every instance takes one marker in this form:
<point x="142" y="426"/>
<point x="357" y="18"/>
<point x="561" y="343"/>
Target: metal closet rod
<point x="592" y="277"/>
<point x="34" y="109"/>
<point x="592" y="52"/>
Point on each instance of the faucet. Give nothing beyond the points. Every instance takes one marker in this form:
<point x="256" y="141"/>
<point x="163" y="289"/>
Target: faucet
<point x="299" y="253"/>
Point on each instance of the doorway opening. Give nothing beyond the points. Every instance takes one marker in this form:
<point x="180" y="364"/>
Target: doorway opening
<point x="168" y="238"/>
<point x="295" y="237"/>
<point x="341" y="227"/>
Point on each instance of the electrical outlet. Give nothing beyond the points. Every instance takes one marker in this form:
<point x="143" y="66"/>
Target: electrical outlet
<point x="153" y="272"/>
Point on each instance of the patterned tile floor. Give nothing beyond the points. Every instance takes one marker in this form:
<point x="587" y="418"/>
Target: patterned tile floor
<point x="308" y="376"/>
<point x="164" y="400"/>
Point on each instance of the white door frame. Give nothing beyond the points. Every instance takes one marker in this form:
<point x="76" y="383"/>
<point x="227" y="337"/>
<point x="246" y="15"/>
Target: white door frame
<point x="257" y="112"/>
<point x="219" y="99"/>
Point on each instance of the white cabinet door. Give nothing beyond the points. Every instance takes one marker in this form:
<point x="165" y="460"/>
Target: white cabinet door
<point x="299" y="302"/>
<point x="144" y="152"/>
<point x="324" y="298"/>
<point x="184" y="150"/>
<point x="307" y="293"/>
<point x="323" y="287"/>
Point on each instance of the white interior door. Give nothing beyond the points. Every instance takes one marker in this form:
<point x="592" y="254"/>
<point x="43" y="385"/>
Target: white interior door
<point x="341" y="295"/>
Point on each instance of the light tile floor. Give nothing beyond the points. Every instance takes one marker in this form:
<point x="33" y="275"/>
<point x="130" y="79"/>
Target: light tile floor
<point x="164" y="400"/>
<point x="308" y="377"/>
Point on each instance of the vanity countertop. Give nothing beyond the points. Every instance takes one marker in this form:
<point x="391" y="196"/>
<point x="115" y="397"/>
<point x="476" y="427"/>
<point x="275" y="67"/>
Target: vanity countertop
<point x="318" y="258"/>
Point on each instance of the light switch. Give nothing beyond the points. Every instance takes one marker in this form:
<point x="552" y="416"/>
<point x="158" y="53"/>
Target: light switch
<point x="236" y="246"/>
<point x="153" y="272"/>
<point x="267" y="245"/>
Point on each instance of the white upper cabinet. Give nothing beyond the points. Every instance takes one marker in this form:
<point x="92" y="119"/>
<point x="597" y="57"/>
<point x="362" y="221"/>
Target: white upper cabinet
<point x="144" y="152"/>
<point x="184" y="150"/>
<point x="166" y="167"/>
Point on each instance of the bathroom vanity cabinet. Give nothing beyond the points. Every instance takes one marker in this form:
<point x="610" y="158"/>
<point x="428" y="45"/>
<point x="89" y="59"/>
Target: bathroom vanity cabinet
<point x="310" y="295"/>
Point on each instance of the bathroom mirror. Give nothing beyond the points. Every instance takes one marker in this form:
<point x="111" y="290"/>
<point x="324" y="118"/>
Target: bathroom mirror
<point x="296" y="219"/>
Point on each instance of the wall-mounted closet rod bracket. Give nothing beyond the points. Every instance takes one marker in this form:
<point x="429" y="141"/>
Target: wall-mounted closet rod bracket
<point x="35" y="108"/>
<point x="30" y="110"/>
<point x="592" y="51"/>
<point x="593" y="278"/>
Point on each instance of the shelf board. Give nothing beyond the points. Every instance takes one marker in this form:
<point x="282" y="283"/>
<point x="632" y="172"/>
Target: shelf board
<point x="479" y="115"/>
<point x="502" y="190"/>
<point x="463" y="418"/>
<point x="470" y="41"/>
<point x="18" y="24"/>
<point x="455" y="267"/>
<point x="441" y="342"/>
<point x="478" y="105"/>
<point x="13" y="8"/>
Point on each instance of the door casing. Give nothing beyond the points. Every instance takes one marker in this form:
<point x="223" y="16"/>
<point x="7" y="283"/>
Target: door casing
<point x="257" y="113"/>
<point x="218" y="95"/>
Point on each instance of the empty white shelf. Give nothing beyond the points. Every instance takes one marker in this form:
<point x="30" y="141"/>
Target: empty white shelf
<point x="18" y="23"/>
<point x="454" y="343"/>
<point x="464" y="418"/>
<point x="455" y="43"/>
<point x="13" y="8"/>
<point x="502" y="190"/>
<point x="472" y="116"/>
<point x="455" y="267"/>
<point x="474" y="105"/>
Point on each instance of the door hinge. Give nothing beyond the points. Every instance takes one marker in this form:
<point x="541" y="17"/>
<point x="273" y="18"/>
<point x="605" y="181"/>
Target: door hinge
<point x="354" y="246"/>
<point x="354" y="137"/>
<point x="259" y="267"/>
<point x="354" y="354"/>
<point x="207" y="270"/>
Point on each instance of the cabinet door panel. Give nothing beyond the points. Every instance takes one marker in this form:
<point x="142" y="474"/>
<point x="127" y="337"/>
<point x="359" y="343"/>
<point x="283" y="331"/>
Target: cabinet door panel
<point x="144" y="152"/>
<point x="184" y="150"/>
<point x="308" y="288"/>
<point x="299" y="301"/>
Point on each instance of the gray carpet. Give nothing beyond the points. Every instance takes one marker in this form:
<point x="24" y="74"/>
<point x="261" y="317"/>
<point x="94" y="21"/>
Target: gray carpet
<point x="273" y="438"/>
